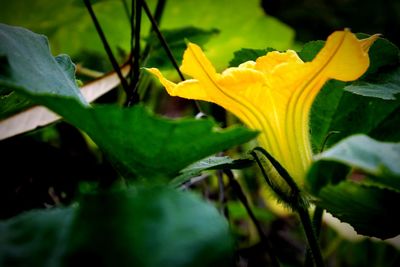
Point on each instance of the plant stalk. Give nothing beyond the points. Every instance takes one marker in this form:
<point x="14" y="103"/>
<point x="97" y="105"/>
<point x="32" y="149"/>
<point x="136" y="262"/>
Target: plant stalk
<point x="133" y="96"/>
<point x="311" y="236"/>
<point x="295" y="200"/>
<point x="103" y="39"/>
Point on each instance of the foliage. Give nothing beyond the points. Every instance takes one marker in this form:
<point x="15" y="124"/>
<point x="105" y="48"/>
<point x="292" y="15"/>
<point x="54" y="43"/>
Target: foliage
<point x="117" y="183"/>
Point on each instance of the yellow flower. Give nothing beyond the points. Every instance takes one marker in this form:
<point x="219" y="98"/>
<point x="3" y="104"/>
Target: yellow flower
<point x="274" y="94"/>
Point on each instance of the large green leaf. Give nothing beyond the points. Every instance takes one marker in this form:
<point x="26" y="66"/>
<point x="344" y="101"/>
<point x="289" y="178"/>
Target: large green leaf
<point x="36" y="238"/>
<point x="377" y="160"/>
<point x="370" y="210"/>
<point x="241" y="24"/>
<point x="152" y="227"/>
<point x="138" y="143"/>
<point x="46" y="73"/>
<point x="141" y="227"/>
<point x="384" y="86"/>
<point x="369" y="204"/>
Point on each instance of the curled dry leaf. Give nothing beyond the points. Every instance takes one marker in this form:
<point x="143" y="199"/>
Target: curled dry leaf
<point x="39" y="116"/>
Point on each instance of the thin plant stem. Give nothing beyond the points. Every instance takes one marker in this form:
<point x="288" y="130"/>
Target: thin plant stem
<point x="162" y="39"/>
<point x="159" y="11"/>
<point x="167" y="50"/>
<point x="311" y="236"/>
<point x="317" y="222"/>
<point x="157" y="17"/>
<point x="318" y="212"/>
<point x="132" y="25"/>
<point x="133" y="96"/>
<point x="326" y="139"/>
<point x="317" y="219"/>
<point x="242" y="198"/>
<point x="110" y="55"/>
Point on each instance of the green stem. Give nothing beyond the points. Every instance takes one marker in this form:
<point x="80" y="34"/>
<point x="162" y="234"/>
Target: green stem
<point x="317" y="222"/>
<point x="311" y="236"/>
<point x="167" y="50"/>
<point x="163" y="42"/>
<point x="133" y="96"/>
<point x="295" y="200"/>
<point x="242" y="198"/>
<point x="103" y="39"/>
<point x="157" y="17"/>
<point x="317" y="219"/>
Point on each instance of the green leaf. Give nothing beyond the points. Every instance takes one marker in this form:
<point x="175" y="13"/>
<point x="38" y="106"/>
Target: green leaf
<point x="45" y="73"/>
<point x="310" y="50"/>
<point x="11" y="103"/>
<point x="141" y="144"/>
<point x="240" y="26"/>
<point x="30" y="64"/>
<point x="149" y="227"/>
<point x="384" y="86"/>
<point x="322" y="173"/>
<point x="142" y="227"/>
<point x="210" y="163"/>
<point x="176" y="40"/>
<point x="138" y="143"/>
<point x="246" y="54"/>
<point x="370" y="210"/>
<point x="375" y="249"/>
<point x="35" y="238"/>
<point x="380" y="160"/>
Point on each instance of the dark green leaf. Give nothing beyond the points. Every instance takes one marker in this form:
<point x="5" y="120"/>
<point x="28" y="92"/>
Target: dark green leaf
<point x="210" y="163"/>
<point x="382" y="253"/>
<point x="384" y="86"/>
<point x="380" y="160"/>
<point x="27" y="63"/>
<point x="32" y="66"/>
<point x="382" y="54"/>
<point x="138" y="143"/>
<point x="370" y="210"/>
<point x="246" y="54"/>
<point x="252" y="28"/>
<point x="36" y="238"/>
<point x="310" y="50"/>
<point x="322" y="173"/>
<point x="149" y="227"/>
<point x="11" y="103"/>
<point x="142" y="227"/>
<point x="141" y="144"/>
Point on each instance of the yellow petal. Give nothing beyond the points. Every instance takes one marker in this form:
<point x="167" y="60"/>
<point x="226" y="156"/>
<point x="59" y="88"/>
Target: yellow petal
<point x="344" y="57"/>
<point x="190" y="89"/>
